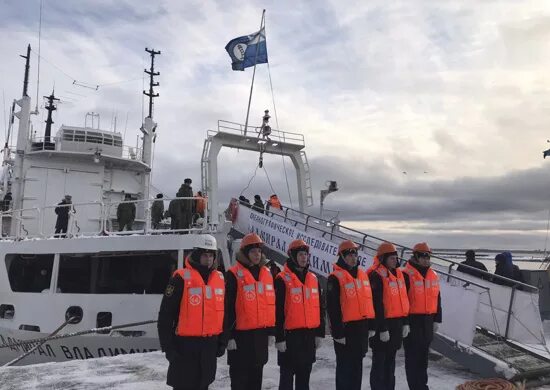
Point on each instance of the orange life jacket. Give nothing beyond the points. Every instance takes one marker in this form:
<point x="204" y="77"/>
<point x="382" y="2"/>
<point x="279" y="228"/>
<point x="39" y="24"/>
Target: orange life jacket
<point x="375" y="263"/>
<point x="423" y="291"/>
<point x="255" y="303"/>
<point x="355" y="295"/>
<point x="275" y="203"/>
<point x="302" y="303"/>
<point x="396" y="301"/>
<point x="201" y="204"/>
<point x="202" y="305"/>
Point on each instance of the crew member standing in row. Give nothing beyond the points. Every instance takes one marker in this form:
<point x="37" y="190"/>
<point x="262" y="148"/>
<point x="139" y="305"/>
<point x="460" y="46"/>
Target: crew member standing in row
<point x="350" y="307"/>
<point x="191" y="318"/>
<point x="300" y="324"/>
<point x="391" y="306"/>
<point x="424" y="314"/>
<point x="249" y="315"/>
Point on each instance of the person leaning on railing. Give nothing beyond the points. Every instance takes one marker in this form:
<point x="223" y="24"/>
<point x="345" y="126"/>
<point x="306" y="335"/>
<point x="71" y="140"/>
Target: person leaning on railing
<point x="63" y="210"/>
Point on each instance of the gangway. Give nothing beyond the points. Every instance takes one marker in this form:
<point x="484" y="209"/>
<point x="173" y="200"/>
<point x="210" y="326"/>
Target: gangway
<point x="492" y="329"/>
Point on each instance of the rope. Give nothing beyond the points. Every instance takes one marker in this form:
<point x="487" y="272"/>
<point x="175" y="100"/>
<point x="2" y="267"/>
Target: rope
<point x="488" y="384"/>
<point x="74" y="334"/>
<point x="269" y="181"/>
<point x="250" y="181"/>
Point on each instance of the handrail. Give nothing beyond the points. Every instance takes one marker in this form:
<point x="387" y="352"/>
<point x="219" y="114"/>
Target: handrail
<point x="104" y="215"/>
<point x="279" y="135"/>
<point x="366" y="236"/>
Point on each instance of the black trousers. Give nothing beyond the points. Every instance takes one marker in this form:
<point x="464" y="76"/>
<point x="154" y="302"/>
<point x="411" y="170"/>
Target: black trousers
<point x="416" y="363"/>
<point x="246" y="378"/>
<point x="382" y="371"/>
<point x="287" y="375"/>
<point x="349" y="368"/>
<point x="61" y="231"/>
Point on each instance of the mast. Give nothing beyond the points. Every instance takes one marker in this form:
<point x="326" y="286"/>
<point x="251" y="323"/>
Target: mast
<point x="50" y="107"/>
<point x="22" y="143"/>
<point x="148" y="130"/>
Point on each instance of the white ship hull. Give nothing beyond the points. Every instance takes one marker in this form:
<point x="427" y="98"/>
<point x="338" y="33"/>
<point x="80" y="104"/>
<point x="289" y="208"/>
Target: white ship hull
<point x="72" y="348"/>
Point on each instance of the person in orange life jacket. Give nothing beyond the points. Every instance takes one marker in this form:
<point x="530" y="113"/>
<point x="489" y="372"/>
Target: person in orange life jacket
<point x="300" y="324"/>
<point x="424" y="315"/>
<point x="249" y="324"/>
<point x="391" y="306"/>
<point x="350" y="311"/>
<point x="191" y="319"/>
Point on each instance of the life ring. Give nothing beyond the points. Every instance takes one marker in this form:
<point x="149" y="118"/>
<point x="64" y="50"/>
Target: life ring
<point x="488" y="384"/>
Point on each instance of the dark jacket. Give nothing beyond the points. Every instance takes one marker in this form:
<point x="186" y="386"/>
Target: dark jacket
<point x="157" y="211"/>
<point x="174" y="212"/>
<point x="62" y="214"/>
<point x="252" y="345"/>
<point x="300" y="343"/>
<point x="473" y="263"/>
<point x="273" y="268"/>
<point x="192" y="359"/>
<point x="393" y="325"/>
<point x="125" y="213"/>
<point x="258" y="206"/>
<point x="355" y="332"/>
<point x="187" y="206"/>
<point x="506" y="268"/>
<point x="422" y="324"/>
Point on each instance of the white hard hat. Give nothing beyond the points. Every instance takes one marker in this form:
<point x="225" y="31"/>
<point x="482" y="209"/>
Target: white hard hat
<point x="206" y="241"/>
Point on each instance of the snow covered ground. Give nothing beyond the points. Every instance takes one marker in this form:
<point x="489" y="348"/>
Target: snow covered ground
<point x="148" y="372"/>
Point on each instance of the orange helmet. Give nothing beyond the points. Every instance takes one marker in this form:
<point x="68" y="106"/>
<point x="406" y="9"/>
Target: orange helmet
<point x="384" y="248"/>
<point x="251" y="239"/>
<point x="422" y="247"/>
<point x="347" y="245"/>
<point x="298" y="244"/>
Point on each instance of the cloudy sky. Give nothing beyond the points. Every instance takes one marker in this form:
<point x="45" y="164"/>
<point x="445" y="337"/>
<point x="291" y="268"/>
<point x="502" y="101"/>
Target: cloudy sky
<point x="431" y="115"/>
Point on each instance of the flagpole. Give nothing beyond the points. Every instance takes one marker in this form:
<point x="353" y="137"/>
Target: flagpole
<point x="254" y="72"/>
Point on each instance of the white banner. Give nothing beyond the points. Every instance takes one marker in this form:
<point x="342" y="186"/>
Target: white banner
<point x="278" y="235"/>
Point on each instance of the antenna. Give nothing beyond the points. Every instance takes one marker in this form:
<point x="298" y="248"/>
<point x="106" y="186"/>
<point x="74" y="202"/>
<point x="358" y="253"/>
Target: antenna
<point x="152" y="82"/>
<point x="50" y="107"/>
<point x="27" y="67"/>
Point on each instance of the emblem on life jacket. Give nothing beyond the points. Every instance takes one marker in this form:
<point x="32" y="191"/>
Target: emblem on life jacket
<point x="195" y="300"/>
<point x="350" y="292"/>
<point x="394" y="291"/>
<point x="296" y="298"/>
<point x="250" y="295"/>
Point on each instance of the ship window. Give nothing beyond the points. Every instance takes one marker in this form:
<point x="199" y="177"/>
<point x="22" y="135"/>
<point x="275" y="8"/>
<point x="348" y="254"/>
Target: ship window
<point x="31" y="328"/>
<point x="116" y="272"/>
<point x="93" y="137"/>
<point x="104" y="318"/>
<point x="107" y="139"/>
<point x="29" y="273"/>
<point x="79" y="136"/>
<point x="68" y="135"/>
<point x="117" y="141"/>
<point x="7" y="312"/>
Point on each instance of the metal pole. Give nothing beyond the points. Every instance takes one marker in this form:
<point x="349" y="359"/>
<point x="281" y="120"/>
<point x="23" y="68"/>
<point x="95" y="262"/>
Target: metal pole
<point x="254" y="73"/>
<point x="509" y="316"/>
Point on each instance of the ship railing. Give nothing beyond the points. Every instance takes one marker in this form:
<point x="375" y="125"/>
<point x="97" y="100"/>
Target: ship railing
<point x="98" y="219"/>
<point x="331" y="230"/>
<point x="255" y="131"/>
<point x="89" y="147"/>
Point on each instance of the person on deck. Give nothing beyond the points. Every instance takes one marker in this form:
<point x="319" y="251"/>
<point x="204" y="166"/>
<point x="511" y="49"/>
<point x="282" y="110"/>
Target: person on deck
<point x="300" y="324"/>
<point x="175" y="213"/>
<point x="63" y="210"/>
<point x="424" y="314"/>
<point x="258" y="204"/>
<point x="249" y="323"/>
<point x="505" y="267"/>
<point x="191" y="319"/>
<point x="126" y="214"/>
<point x="187" y="205"/>
<point x="274" y="203"/>
<point x="350" y="310"/>
<point x="157" y="211"/>
<point x="391" y="306"/>
<point x="472" y="262"/>
<point x="200" y="205"/>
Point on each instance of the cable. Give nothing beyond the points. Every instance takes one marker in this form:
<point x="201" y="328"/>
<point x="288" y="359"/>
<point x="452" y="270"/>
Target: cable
<point x="269" y="181"/>
<point x="250" y="181"/>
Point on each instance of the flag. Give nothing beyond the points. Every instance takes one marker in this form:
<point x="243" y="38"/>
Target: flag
<point x="546" y="153"/>
<point x="247" y="50"/>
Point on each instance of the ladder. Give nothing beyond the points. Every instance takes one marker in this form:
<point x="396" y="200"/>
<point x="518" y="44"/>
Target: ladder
<point x="309" y="191"/>
<point x="204" y="165"/>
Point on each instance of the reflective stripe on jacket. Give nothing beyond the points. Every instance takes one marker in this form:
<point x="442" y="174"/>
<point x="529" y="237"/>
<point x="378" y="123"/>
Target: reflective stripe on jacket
<point x="255" y="302"/>
<point x="423" y="291"/>
<point x="302" y="303"/>
<point x="202" y="305"/>
<point x="396" y="301"/>
<point x="355" y="295"/>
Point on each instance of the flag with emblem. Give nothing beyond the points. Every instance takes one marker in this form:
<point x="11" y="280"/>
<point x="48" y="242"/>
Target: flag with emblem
<point x="248" y="50"/>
